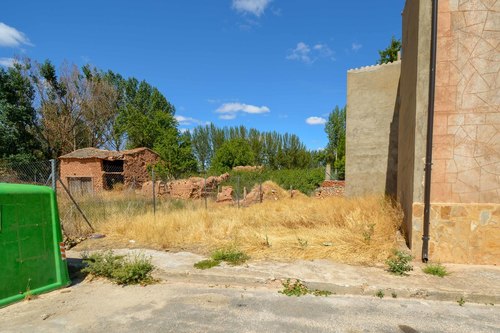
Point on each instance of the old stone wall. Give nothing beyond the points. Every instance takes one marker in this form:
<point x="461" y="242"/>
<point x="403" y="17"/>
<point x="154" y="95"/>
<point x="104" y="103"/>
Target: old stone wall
<point x="75" y="167"/>
<point x="135" y="168"/>
<point x="371" y="134"/>
<point x="466" y="154"/>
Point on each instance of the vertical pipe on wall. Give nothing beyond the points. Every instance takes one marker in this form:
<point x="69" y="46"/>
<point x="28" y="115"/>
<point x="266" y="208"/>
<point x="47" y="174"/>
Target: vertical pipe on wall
<point x="430" y="127"/>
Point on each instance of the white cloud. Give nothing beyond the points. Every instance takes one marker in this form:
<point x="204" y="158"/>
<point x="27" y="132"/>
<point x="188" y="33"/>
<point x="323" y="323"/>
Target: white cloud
<point x="7" y="62"/>
<point x="356" y="46"/>
<point x="301" y="52"/>
<point x="230" y="110"/>
<point x="316" y="121"/>
<point x="186" y="121"/>
<point x="306" y="54"/>
<point x="11" y="37"/>
<point x="255" y="7"/>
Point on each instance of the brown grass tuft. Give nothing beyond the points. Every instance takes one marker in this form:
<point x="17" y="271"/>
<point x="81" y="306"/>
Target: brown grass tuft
<point x="356" y="231"/>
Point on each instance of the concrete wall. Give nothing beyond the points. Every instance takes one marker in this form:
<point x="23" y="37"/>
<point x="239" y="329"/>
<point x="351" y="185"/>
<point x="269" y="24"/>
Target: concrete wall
<point x="414" y="91"/>
<point x="371" y="134"/>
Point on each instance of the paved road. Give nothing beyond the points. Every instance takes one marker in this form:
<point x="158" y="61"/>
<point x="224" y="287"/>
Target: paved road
<point x="179" y="307"/>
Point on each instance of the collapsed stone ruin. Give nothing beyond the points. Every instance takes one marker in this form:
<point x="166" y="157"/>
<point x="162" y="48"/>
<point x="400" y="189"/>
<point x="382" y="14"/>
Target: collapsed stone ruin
<point x="191" y="188"/>
<point x="330" y="188"/>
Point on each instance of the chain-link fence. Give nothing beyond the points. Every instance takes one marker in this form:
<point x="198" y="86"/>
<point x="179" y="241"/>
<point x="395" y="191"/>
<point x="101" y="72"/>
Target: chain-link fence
<point x="90" y="194"/>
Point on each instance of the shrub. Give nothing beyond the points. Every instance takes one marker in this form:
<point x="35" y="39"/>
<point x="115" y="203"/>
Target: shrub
<point x="400" y="263"/>
<point x="435" y="269"/>
<point x="132" y="269"/>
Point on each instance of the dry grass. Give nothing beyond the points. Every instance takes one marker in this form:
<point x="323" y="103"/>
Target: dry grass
<point x="356" y="231"/>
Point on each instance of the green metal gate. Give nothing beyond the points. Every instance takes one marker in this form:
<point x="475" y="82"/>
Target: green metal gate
<point x="31" y="258"/>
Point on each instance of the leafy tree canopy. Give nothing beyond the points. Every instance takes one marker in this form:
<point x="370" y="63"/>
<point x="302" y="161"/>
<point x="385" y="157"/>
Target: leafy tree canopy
<point x="390" y="53"/>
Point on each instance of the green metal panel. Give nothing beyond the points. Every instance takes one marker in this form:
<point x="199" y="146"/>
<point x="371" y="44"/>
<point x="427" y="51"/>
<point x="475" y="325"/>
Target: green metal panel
<point x="30" y="236"/>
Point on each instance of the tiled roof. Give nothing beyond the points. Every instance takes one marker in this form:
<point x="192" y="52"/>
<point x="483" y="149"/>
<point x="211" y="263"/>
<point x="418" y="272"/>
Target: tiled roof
<point x="85" y="153"/>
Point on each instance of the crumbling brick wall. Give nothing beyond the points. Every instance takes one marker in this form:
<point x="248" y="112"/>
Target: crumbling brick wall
<point x="135" y="168"/>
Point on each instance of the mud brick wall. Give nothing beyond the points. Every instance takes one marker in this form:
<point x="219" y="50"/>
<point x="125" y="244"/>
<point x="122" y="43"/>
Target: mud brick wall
<point x="75" y="167"/>
<point x="135" y="168"/>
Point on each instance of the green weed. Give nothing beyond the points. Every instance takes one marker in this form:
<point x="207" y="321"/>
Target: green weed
<point x="461" y="301"/>
<point x="400" y="263"/>
<point x="297" y="288"/>
<point x="380" y="293"/>
<point x="435" y="269"/>
<point x="124" y="270"/>
<point x="206" y="264"/>
<point x="231" y="256"/>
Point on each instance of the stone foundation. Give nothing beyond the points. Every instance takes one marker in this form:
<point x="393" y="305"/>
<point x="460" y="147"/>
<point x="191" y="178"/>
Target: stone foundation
<point x="459" y="232"/>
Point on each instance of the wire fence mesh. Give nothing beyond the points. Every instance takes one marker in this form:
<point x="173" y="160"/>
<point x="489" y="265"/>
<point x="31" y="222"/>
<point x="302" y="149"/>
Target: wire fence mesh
<point x="88" y="196"/>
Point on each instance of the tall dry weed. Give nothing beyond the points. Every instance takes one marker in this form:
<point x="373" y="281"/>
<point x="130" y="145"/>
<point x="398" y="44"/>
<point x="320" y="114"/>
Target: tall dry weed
<point x="356" y="231"/>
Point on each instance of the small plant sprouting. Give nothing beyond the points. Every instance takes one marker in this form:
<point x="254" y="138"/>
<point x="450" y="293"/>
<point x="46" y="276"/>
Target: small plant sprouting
<point x="461" y="301"/>
<point x="368" y="233"/>
<point x="400" y="263"/>
<point x="435" y="269"/>
<point x="206" y="264"/>
<point x="380" y="293"/>
<point x="302" y="242"/>
<point x="394" y="295"/>
<point x="297" y="288"/>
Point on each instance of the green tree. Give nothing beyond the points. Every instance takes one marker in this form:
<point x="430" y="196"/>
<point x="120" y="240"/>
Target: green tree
<point x="17" y="116"/>
<point x="232" y="153"/>
<point x="202" y="148"/>
<point x="390" y="53"/>
<point x="335" y="129"/>
<point x="176" y="154"/>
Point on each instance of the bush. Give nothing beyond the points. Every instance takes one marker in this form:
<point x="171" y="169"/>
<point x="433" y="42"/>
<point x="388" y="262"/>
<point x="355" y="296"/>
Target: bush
<point x="206" y="264"/>
<point x="400" y="263"/>
<point x="124" y="270"/>
<point x="304" y="180"/>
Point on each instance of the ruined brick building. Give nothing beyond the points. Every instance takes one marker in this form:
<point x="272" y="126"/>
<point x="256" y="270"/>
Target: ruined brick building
<point x="90" y="170"/>
<point x="387" y="117"/>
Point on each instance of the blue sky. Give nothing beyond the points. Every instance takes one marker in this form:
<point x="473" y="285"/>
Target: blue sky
<point x="269" y="64"/>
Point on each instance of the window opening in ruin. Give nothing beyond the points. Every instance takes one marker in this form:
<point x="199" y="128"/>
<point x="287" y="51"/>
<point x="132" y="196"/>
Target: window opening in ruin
<point x="112" y="180"/>
<point x="112" y="166"/>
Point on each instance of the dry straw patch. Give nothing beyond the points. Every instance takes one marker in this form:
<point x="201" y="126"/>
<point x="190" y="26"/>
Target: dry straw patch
<point x="356" y="231"/>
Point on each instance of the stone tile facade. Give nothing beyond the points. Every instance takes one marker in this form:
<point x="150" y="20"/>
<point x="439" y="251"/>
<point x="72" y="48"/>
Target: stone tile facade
<point x="465" y="191"/>
<point x="466" y="151"/>
<point x="460" y="233"/>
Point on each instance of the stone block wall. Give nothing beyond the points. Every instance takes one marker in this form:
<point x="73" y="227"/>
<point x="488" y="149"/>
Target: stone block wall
<point x="460" y="233"/>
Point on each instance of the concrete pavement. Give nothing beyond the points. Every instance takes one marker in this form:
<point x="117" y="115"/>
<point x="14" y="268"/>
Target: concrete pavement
<point x="479" y="284"/>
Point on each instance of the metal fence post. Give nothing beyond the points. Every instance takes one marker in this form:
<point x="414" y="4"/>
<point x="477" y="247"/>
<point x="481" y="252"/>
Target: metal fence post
<point x="238" y="191"/>
<point x="260" y="192"/>
<point x="154" y="194"/>
<point x="205" y="190"/>
<point x="53" y="166"/>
